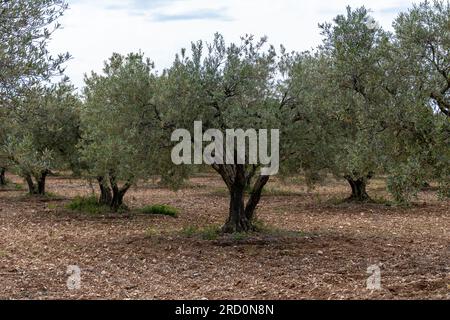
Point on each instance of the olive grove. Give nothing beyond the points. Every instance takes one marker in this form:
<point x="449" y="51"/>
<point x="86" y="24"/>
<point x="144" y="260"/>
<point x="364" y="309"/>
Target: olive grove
<point x="365" y="103"/>
<point x="121" y="134"/>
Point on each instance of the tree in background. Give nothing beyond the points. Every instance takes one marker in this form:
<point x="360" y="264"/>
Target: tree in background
<point x="43" y="134"/>
<point x="308" y="141"/>
<point x="352" y="98"/>
<point x="25" y="29"/>
<point x="121" y="126"/>
<point x="420" y="74"/>
<point x="423" y="37"/>
<point x="353" y="113"/>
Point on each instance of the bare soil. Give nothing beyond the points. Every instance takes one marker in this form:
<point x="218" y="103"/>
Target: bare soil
<point x="321" y="249"/>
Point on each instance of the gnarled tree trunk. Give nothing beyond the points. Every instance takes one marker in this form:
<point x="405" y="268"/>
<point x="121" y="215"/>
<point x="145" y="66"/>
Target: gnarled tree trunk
<point x="237" y="220"/>
<point x="241" y="214"/>
<point x="2" y="177"/>
<point x="255" y="196"/>
<point x="110" y="193"/>
<point x="359" y="192"/>
<point x="41" y="182"/>
<point x="105" y="192"/>
<point x="38" y="187"/>
<point x="32" y="190"/>
<point x="118" y="194"/>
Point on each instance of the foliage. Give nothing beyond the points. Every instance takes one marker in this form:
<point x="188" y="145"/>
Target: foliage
<point x="87" y="205"/>
<point x="422" y="36"/>
<point x="225" y="86"/>
<point x="25" y="30"/>
<point x="161" y="210"/>
<point x="356" y="111"/>
<point x="189" y="231"/>
<point x="366" y="102"/>
<point x="208" y="233"/>
<point x="43" y="133"/>
<point x="406" y="182"/>
<point x="121" y="130"/>
<point x="422" y="74"/>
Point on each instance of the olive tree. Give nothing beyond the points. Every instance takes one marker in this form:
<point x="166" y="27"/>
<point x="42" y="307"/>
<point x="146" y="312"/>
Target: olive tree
<point x="120" y="125"/>
<point x="43" y="133"/>
<point x="25" y="30"/>
<point x="422" y="35"/>
<point x="308" y="130"/>
<point x="361" y="98"/>
<point x="227" y="87"/>
<point x="420" y="74"/>
<point x="352" y="98"/>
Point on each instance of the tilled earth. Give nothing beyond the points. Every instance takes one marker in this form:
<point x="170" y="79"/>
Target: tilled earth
<point x="317" y="248"/>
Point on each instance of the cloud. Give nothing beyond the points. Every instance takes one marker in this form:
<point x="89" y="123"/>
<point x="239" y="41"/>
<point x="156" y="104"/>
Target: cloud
<point x="150" y="4"/>
<point x="204" y="14"/>
<point x="92" y="30"/>
<point x="140" y="6"/>
<point x="157" y="10"/>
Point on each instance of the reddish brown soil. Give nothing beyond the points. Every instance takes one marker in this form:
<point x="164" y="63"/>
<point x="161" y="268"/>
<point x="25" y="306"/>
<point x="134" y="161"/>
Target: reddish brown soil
<point x="149" y="257"/>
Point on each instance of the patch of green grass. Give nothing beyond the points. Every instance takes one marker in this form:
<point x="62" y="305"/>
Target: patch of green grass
<point x="160" y="210"/>
<point x="262" y="228"/>
<point x="87" y="205"/>
<point x="239" y="236"/>
<point x="208" y="233"/>
<point x="189" y="231"/>
<point x="18" y="187"/>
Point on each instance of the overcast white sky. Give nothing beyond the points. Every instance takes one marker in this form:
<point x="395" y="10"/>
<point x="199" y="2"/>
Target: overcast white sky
<point x="94" y="29"/>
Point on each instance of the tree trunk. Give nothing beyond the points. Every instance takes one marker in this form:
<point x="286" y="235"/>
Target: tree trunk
<point x="255" y="196"/>
<point x="41" y="182"/>
<point x="2" y="177"/>
<point x="105" y="192"/>
<point x="240" y="215"/>
<point x="117" y="199"/>
<point x="32" y="190"/>
<point x="117" y="193"/>
<point x="359" y="192"/>
<point x="237" y="220"/>
<point x="37" y="188"/>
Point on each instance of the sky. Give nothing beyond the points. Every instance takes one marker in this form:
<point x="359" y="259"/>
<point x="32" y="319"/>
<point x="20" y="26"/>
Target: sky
<point x="93" y="29"/>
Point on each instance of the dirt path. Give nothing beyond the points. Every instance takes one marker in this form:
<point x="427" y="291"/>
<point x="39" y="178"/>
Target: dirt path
<point x="325" y="254"/>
